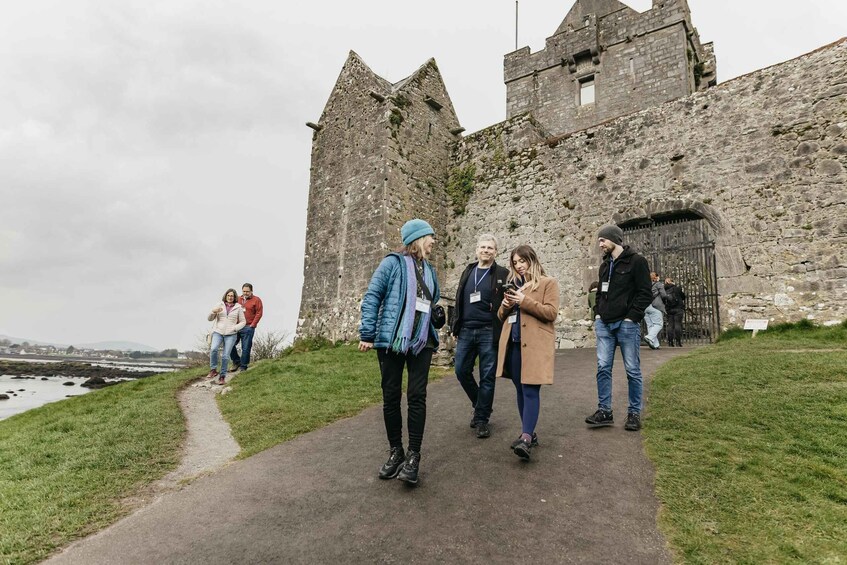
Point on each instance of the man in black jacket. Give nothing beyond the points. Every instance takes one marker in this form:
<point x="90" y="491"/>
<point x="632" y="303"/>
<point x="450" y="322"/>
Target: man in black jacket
<point x="477" y="329"/>
<point x="623" y="296"/>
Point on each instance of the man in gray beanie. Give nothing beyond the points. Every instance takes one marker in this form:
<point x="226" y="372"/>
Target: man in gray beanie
<point x="623" y="296"/>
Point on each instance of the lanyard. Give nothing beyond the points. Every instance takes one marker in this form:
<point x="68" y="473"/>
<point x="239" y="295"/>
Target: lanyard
<point x="611" y="269"/>
<point x="475" y="281"/>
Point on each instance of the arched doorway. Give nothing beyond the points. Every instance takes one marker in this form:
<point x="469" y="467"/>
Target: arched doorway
<point x="682" y="247"/>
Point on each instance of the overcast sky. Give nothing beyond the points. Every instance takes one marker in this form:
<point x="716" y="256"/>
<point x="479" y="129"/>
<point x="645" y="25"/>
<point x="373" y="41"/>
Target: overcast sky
<point x="153" y="154"/>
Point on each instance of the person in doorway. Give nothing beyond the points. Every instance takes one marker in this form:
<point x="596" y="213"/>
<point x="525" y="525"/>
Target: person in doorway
<point x="253" y="311"/>
<point x="624" y="295"/>
<point x="228" y="318"/>
<point x="655" y="313"/>
<point x="477" y="329"/>
<point x="397" y="322"/>
<point x="528" y="340"/>
<point x="675" y="305"/>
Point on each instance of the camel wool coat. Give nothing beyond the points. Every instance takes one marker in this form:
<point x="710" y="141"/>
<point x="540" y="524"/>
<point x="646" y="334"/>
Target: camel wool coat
<point x="538" y="333"/>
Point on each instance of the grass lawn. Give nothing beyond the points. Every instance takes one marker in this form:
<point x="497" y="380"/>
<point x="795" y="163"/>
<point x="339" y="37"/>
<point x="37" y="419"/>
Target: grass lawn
<point x="65" y="467"/>
<point x="749" y="440"/>
<point x="278" y="399"/>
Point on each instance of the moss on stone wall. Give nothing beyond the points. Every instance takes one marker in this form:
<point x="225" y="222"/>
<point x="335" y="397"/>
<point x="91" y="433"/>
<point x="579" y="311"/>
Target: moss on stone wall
<point x="460" y="184"/>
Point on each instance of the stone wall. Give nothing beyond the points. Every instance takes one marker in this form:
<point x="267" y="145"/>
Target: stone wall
<point x="762" y="158"/>
<point x="636" y="61"/>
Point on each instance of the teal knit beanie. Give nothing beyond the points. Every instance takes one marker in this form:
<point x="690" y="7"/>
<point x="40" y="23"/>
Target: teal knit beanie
<point x="415" y="229"/>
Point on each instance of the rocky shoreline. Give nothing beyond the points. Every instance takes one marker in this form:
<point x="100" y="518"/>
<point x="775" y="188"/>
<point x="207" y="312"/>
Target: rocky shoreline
<point x="26" y="370"/>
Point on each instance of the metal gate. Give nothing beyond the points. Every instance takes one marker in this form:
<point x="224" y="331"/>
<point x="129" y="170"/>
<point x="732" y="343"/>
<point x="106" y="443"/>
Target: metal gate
<point x="683" y="249"/>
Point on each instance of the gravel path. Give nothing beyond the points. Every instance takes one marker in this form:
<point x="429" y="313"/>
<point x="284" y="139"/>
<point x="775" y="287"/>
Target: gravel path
<point x="209" y="444"/>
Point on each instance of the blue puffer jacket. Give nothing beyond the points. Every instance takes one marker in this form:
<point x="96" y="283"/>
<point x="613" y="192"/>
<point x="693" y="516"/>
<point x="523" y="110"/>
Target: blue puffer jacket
<point x="383" y="302"/>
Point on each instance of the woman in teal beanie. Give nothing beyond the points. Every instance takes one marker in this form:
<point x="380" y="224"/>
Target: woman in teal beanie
<point x="397" y="322"/>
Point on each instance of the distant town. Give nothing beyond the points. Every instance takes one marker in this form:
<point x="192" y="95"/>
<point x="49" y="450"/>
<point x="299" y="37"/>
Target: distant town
<point x="41" y="350"/>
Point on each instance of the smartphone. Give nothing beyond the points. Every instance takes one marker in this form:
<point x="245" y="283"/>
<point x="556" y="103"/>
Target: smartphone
<point x="509" y="287"/>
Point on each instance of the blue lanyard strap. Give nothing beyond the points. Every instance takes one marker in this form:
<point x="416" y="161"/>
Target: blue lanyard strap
<point x="611" y="268"/>
<point x="475" y="281"/>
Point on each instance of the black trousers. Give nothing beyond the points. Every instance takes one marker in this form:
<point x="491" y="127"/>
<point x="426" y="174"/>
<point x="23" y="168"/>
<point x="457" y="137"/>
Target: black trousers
<point x="675" y="328"/>
<point x="391" y="367"/>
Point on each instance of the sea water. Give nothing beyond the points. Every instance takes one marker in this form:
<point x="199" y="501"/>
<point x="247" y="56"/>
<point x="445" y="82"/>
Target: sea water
<point x="32" y="393"/>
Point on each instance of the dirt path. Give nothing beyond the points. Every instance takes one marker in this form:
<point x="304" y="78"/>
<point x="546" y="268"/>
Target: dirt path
<point x="209" y="444"/>
<point x="586" y="497"/>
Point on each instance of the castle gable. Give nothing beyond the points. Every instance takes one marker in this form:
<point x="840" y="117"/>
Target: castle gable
<point x="582" y="11"/>
<point x="355" y="79"/>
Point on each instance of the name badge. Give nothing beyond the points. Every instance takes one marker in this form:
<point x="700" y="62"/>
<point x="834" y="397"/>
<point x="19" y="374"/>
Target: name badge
<point x="604" y="287"/>
<point x="422" y="305"/>
<point x="476" y="297"/>
<point x="513" y="319"/>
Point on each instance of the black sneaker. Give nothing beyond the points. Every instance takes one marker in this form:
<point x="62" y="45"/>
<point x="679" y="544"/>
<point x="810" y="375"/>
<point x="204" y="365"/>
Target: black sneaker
<point x="409" y="470"/>
<point x="533" y="443"/>
<point x="600" y="419"/>
<point x="482" y="430"/>
<point x="474" y="421"/>
<point x="633" y="422"/>
<point x="523" y="449"/>
<point x="391" y="467"/>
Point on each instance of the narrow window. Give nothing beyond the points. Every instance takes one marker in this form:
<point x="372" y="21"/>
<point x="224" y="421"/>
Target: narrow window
<point x="586" y="91"/>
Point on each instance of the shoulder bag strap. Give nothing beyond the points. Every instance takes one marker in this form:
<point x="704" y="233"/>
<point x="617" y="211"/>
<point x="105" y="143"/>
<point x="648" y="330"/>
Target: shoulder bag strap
<point x="422" y="283"/>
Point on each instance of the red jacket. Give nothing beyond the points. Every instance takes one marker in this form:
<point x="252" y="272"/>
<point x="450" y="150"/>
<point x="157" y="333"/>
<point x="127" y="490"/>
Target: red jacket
<point x="252" y="309"/>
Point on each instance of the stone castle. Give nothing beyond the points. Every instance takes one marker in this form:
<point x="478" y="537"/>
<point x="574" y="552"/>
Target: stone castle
<point x="736" y="190"/>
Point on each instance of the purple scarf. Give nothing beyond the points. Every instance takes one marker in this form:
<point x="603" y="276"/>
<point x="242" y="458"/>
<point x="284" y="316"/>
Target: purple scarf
<point x="412" y="337"/>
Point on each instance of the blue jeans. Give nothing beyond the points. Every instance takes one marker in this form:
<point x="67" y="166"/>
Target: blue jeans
<point x="228" y="342"/>
<point x="473" y="343"/>
<point x="628" y="336"/>
<point x="245" y="336"/>
<point x="654" y="319"/>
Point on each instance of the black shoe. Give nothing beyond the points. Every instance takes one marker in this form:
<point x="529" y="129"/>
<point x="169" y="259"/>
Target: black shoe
<point x="474" y="421"/>
<point x="679" y="344"/>
<point x="533" y="443"/>
<point x="600" y="418"/>
<point x="633" y="422"/>
<point x="523" y="449"/>
<point x="409" y="470"/>
<point x="482" y="430"/>
<point x="391" y="467"/>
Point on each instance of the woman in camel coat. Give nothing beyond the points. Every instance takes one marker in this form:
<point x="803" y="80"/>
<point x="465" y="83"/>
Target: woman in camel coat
<point x="528" y="340"/>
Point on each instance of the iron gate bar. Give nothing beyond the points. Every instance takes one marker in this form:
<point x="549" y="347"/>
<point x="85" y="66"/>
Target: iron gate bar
<point x="683" y="249"/>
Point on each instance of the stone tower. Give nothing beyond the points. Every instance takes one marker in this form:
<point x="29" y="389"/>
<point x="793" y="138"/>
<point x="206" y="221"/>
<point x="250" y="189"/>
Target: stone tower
<point x="606" y="60"/>
<point x="380" y="156"/>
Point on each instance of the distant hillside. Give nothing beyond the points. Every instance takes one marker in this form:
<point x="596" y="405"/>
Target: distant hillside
<point x="116" y="345"/>
<point x="100" y="345"/>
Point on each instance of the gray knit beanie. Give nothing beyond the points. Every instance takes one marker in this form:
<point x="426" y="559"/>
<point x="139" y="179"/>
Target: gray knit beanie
<point x="611" y="232"/>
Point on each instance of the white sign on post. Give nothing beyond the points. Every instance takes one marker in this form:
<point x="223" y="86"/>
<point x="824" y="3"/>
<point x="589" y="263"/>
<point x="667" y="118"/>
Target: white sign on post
<point x="755" y="325"/>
